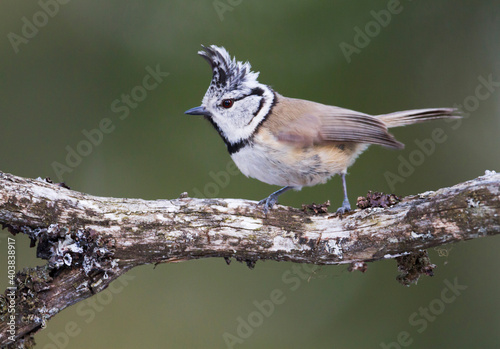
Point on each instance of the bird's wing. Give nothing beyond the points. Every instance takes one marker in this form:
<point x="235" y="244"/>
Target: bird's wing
<point x="306" y="123"/>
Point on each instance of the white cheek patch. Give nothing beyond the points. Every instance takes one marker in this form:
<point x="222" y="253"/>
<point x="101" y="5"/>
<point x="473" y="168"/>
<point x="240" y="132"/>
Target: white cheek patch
<point x="240" y="124"/>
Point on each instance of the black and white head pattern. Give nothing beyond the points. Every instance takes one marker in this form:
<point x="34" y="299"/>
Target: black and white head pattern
<point x="235" y="101"/>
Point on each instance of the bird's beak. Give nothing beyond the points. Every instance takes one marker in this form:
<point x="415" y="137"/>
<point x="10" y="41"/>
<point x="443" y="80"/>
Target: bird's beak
<point x="198" y="111"/>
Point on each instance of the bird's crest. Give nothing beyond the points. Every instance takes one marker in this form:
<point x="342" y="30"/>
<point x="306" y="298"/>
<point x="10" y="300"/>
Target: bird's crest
<point x="228" y="74"/>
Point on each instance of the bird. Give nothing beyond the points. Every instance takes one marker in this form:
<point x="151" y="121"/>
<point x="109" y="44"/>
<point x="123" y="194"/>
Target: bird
<point x="290" y="142"/>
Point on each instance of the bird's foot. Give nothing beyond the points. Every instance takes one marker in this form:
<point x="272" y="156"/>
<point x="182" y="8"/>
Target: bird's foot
<point x="268" y="202"/>
<point x="346" y="207"/>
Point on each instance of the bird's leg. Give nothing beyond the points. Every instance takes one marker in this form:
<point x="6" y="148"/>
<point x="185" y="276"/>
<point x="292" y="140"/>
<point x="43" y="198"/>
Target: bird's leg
<point x="346" y="207"/>
<point x="273" y="198"/>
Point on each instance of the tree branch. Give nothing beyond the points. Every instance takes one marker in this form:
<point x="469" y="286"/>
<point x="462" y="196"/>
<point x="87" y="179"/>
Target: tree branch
<point x="89" y="241"/>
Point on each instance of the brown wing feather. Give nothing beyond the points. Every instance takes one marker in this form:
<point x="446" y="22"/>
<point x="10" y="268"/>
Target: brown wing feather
<point x="308" y="123"/>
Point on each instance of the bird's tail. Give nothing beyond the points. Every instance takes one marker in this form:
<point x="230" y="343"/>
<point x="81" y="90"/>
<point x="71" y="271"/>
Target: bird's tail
<point x="409" y="117"/>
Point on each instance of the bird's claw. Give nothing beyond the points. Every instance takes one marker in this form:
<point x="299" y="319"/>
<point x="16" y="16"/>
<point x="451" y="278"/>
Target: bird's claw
<point x="346" y="207"/>
<point x="268" y="203"/>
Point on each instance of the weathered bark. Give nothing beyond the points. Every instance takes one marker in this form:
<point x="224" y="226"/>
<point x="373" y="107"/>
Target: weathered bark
<point x="89" y="241"/>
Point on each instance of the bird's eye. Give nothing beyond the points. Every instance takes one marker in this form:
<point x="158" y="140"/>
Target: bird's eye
<point x="227" y="103"/>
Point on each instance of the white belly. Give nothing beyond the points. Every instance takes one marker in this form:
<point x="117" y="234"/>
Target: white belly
<point x="281" y="168"/>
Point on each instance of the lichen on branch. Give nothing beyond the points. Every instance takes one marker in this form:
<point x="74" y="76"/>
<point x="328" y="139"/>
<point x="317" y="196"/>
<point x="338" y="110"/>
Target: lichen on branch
<point x="89" y="241"/>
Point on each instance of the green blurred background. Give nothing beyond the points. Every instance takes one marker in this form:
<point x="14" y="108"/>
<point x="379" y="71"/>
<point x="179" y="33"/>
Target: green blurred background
<point x="64" y="79"/>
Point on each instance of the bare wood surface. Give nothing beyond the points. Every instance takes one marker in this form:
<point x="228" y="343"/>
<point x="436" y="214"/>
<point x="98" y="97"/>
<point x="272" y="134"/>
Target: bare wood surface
<point x="90" y="241"/>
